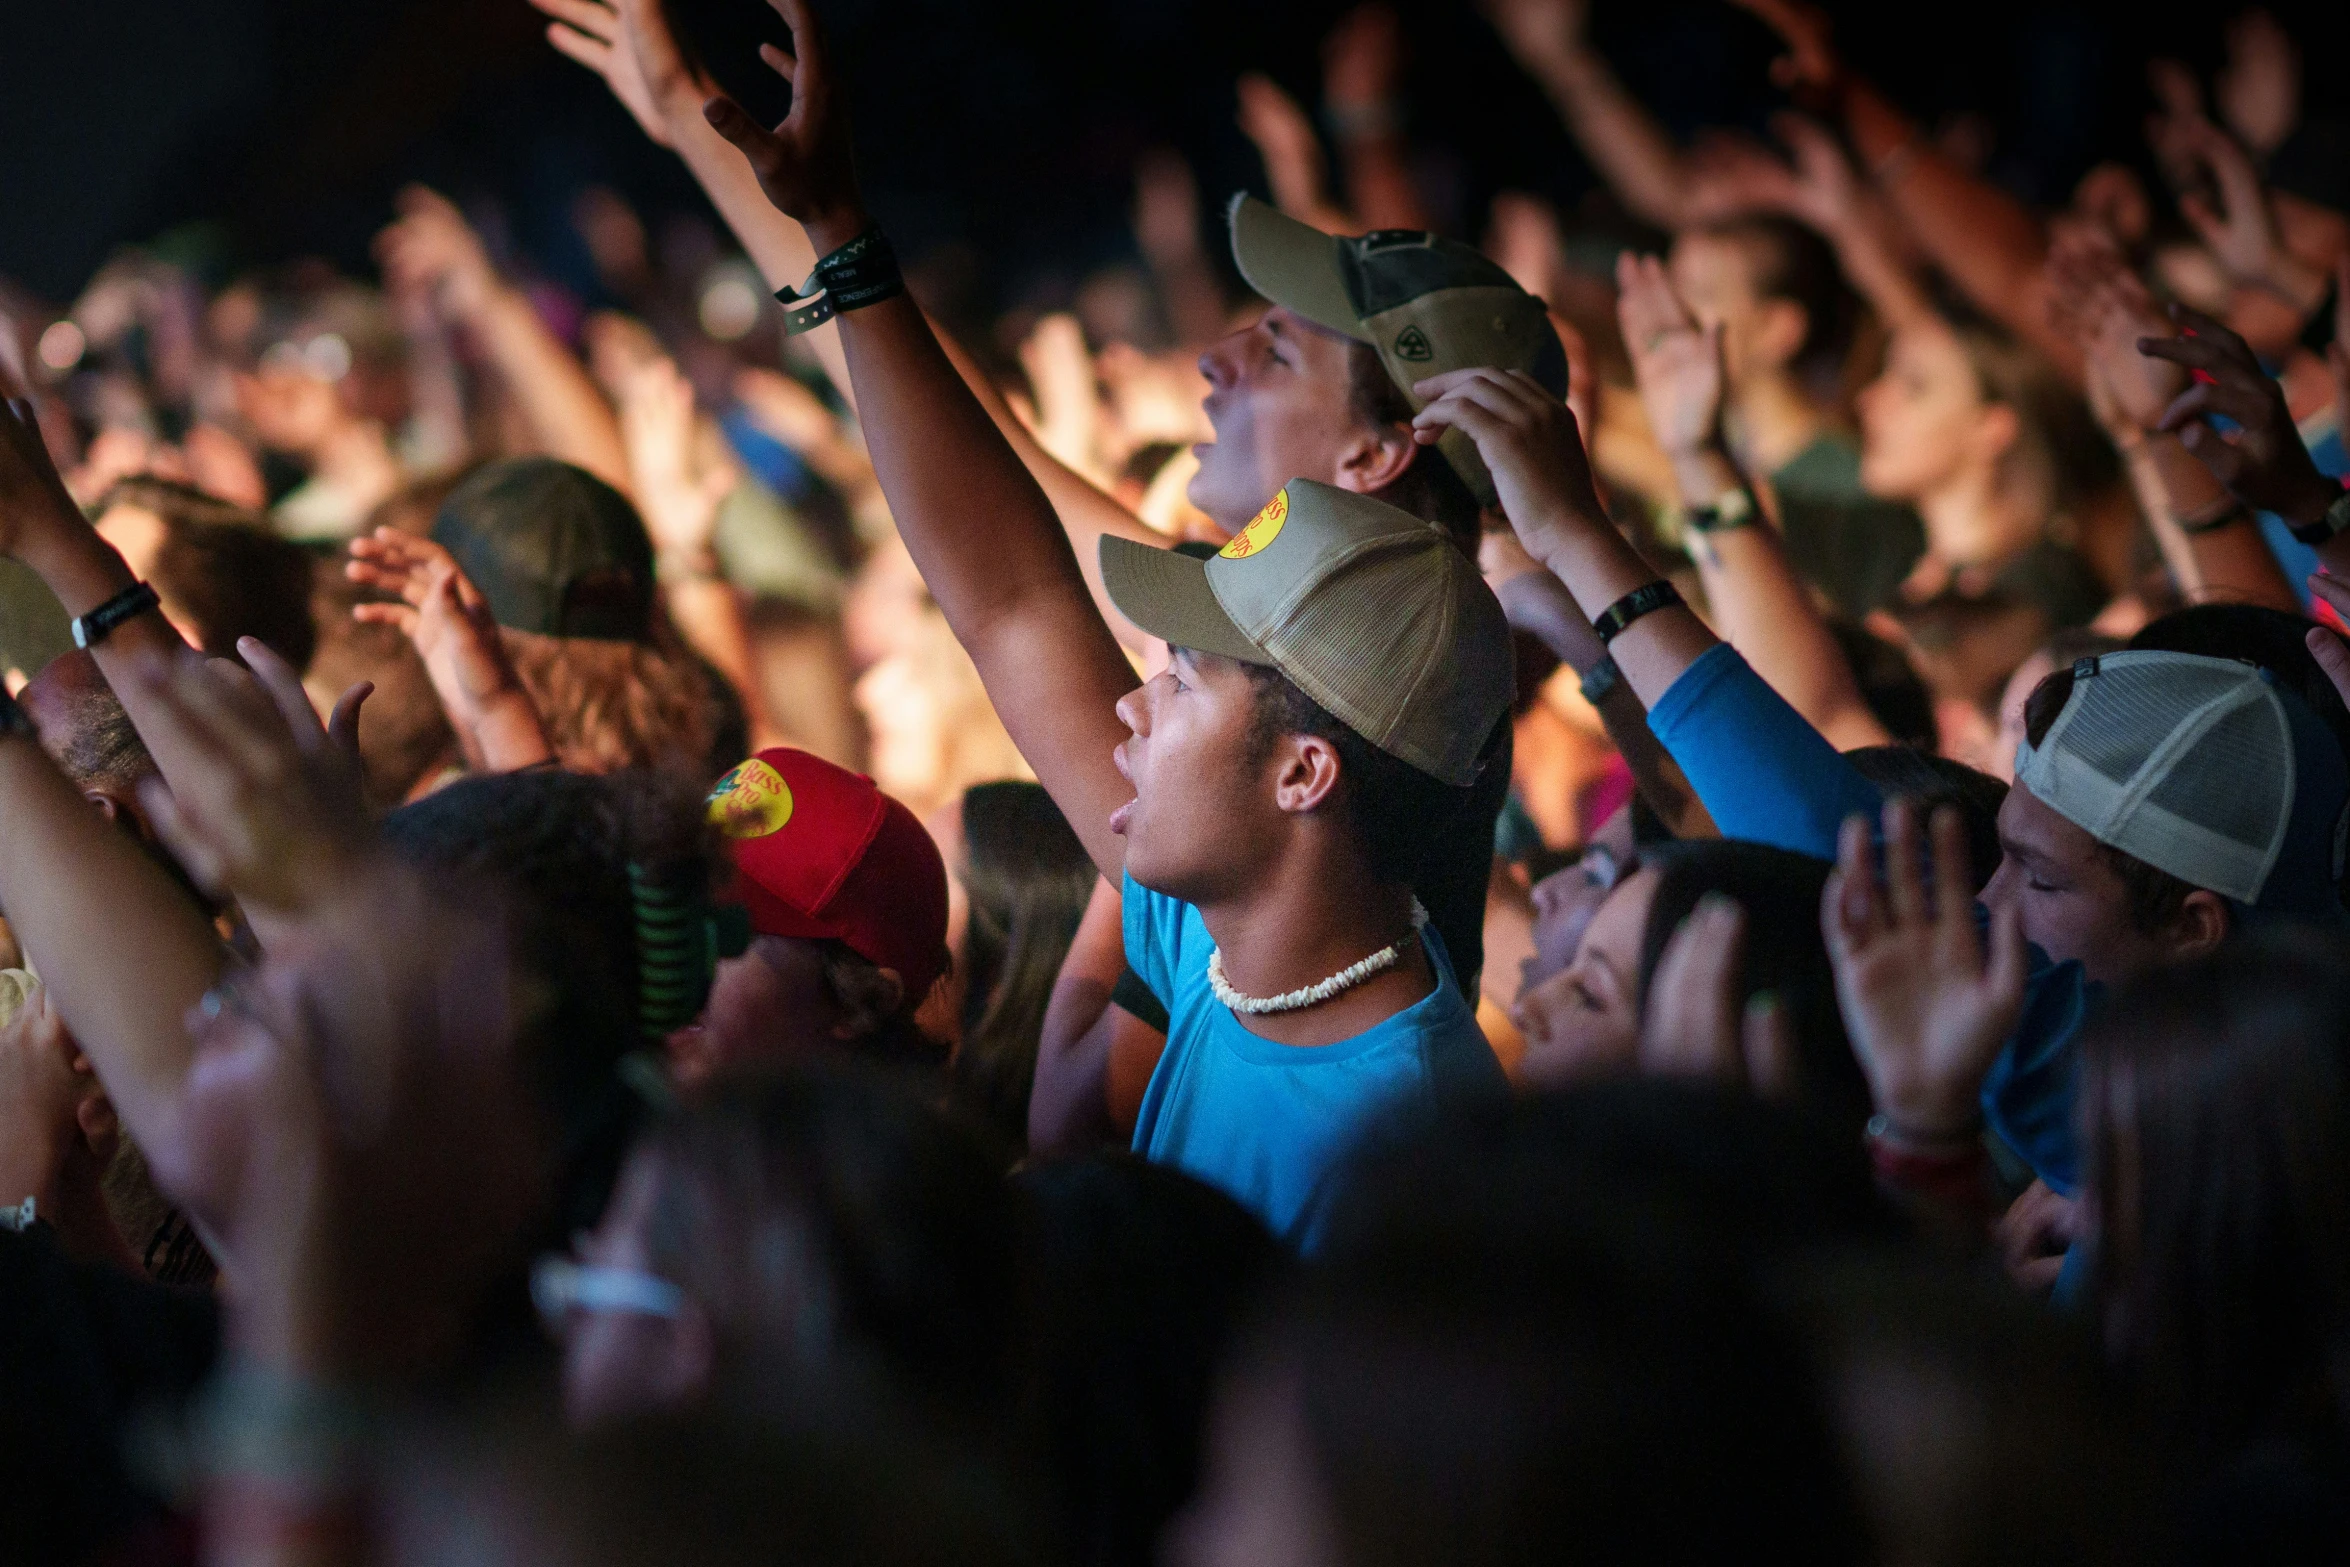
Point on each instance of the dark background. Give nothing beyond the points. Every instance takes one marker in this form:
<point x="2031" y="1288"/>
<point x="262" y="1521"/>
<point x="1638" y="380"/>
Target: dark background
<point x="261" y="130"/>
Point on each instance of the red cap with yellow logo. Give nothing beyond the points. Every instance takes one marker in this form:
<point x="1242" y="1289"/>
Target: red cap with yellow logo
<point x="823" y="855"/>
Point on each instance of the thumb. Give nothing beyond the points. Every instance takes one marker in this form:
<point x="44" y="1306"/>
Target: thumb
<point x="342" y="725"/>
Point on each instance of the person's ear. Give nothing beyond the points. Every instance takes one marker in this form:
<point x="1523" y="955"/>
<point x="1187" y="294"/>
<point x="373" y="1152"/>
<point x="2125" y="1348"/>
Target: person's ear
<point x="1997" y="430"/>
<point x="2203" y="922"/>
<point x="1776" y="335"/>
<point x="1307" y="776"/>
<point x="1375" y="457"/>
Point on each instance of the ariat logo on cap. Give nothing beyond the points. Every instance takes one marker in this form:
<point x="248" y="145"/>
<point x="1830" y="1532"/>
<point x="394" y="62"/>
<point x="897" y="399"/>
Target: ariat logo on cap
<point x="1262" y="529"/>
<point x="750" y="802"/>
<point x="1412" y="344"/>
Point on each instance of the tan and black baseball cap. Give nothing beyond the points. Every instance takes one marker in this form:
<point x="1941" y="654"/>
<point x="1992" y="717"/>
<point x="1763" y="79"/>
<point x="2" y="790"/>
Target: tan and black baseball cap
<point x="1370" y="611"/>
<point x="1428" y="304"/>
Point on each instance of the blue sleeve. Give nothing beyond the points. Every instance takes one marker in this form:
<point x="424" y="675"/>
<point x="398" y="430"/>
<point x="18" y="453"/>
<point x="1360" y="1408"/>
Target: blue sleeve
<point x="1763" y="773"/>
<point x="1153" y="926"/>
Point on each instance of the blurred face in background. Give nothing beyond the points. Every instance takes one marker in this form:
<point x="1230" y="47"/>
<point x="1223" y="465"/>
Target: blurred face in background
<point x="1282" y="403"/>
<point x="1714" y="275"/>
<point x="1925" y="423"/>
<point x="1584" y="1021"/>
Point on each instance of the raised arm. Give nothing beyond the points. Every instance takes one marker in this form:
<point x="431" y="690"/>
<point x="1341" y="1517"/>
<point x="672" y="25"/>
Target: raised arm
<point x="1761" y="771"/>
<point x="2211" y="544"/>
<point x="1621" y="138"/>
<point x="1761" y="607"/>
<point x="631" y="48"/>
<point x="432" y="249"/>
<point x="1361" y="62"/>
<point x="1984" y="240"/>
<point x="982" y="532"/>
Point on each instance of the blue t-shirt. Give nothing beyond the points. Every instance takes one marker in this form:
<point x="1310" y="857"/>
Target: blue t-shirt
<point x="1767" y="775"/>
<point x="1269" y="1123"/>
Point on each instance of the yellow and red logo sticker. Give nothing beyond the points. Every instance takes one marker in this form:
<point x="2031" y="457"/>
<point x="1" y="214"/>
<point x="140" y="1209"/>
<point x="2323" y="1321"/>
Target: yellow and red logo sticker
<point x="1262" y="530"/>
<point x="750" y="802"/>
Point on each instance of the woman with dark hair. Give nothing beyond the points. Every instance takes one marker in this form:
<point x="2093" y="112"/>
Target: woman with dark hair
<point x="2217" y="1106"/>
<point x="1585" y="1021"/>
<point x="1027" y="879"/>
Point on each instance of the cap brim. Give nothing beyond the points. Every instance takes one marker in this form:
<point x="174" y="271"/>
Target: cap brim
<point x="1167" y="595"/>
<point x="1292" y="264"/>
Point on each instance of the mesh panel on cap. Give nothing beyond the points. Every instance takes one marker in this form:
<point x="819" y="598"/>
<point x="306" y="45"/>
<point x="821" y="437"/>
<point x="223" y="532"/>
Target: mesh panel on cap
<point x="2180" y="761"/>
<point x="1362" y="653"/>
<point x="2233" y="784"/>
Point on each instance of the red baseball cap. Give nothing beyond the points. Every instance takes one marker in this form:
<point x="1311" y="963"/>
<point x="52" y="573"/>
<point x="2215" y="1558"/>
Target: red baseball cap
<point x="820" y="853"/>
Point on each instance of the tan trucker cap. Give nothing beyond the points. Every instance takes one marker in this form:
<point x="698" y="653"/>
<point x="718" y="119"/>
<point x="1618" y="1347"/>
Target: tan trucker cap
<point x="1428" y="305"/>
<point x="1370" y="611"/>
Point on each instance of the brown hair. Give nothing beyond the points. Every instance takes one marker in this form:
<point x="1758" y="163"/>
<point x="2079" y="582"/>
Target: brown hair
<point x="1429" y="489"/>
<point x="613" y="705"/>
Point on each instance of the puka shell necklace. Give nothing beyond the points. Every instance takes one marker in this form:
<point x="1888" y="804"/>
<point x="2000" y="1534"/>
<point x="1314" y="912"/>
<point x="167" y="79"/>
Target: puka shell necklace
<point x="1313" y="995"/>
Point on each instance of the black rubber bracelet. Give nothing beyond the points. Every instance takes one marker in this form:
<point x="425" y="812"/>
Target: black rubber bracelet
<point x="2334" y="523"/>
<point x="95" y="627"/>
<point x="1614" y="620"/>
<point x="862" y="272"/>
<point x="1600" y="679"/>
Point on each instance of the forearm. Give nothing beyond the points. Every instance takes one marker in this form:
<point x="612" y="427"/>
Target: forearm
<point x="1872" y="259"/>
<point x="1762" y="609"/>
<point x="994" y="556"/>
<point x="567" y="416"/>
<point x="1069" y="1106"/>
<point x="1629" y="148"/>
<point x="123" y="951"/>
<point x="1988" y="243"/>
<point x="1654" y="772"/>
<point x="2228" y="565"/>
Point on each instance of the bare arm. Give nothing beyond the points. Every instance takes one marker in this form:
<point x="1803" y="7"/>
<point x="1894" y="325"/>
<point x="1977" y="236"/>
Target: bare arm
<point x="1069" y="1107"/>
<point x="431" y="249"/>
<point x="1759" y="603"/>
<point x="983" y="534"/>
<point x="1361" y="61"/>
<point x="1631" y="150"/>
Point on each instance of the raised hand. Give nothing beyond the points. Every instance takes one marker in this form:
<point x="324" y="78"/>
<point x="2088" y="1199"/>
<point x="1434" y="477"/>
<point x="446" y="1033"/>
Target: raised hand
<point x="1692" y="1024"/>
<point x="1810" y="66"/>
<point x="434" y="252"/>
<point x="1539" y="30"/>
<point x="448" y="620"/>
<point x="265" y="802"/>
<point x="2242" y="230"/>
<point x="1677" y="361"/>
<point x="594" y="34"/>
<point x="2258" y="92"/>
<point x="1529" y="440"/>
<point x="804" y="163"/>
<point x="1362" y="58"/>
<point x="2093" y="292"/>
<point x="677" y="494"/>
<point x="31" y="491"/>
<point x="1927" y="1013"/>
<point x="56" y="1128"/>
<point x="2263" y="464"/>
<point x="1292" y="153"/>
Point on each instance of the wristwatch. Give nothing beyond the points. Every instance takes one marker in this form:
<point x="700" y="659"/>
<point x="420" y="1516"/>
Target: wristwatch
<point x="2332" y="524"/>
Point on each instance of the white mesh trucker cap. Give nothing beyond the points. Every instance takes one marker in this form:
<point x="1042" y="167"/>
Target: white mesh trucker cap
<point x="2204" y="768"/>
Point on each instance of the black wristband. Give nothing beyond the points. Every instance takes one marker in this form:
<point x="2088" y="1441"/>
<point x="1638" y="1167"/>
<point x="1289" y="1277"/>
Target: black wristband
<point x="95" y="627"/>
<point x="1600" y="679"/>
<point x="862" y="272"/>
<point x="1647" y="599"/>
<point x="2329" y="527"/>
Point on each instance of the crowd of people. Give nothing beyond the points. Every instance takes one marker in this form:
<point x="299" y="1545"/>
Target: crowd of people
<point x="1670" y="886"/>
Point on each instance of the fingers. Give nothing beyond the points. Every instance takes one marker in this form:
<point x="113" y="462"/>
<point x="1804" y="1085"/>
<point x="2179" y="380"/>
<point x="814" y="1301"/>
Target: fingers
<point x="1852" y="909"/>
<point x="284" y="686"/>
<point x="594" y="53"/>
<point x="1905" y="891"/>
<point x="599" y="22"/>
<point x="342" y="725"/>
<point x="753" y="140"/>
<point x="1953" y="891"/>
<point x="2331" y="653"/>
<point x="2189" y="319"/>
<point x="2010" y="956"/>
<point x="192" y="848"/>
<point x="400" y="617"/>
<point x="780" y="63"/>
